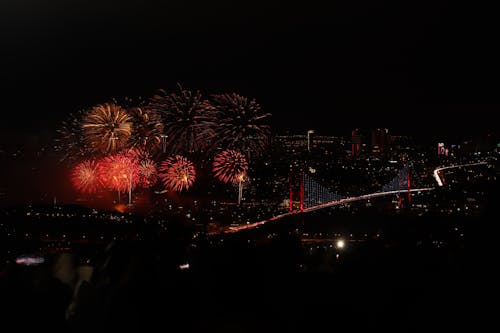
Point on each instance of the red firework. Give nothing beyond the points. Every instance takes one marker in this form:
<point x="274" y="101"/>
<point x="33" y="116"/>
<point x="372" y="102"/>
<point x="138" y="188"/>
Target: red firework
<point x="147" y="173"/>
<point x="85" y="176"/>
<point x="177" y="173"/>
<point x="230" y="166"/>
<point x="120" y="172"/>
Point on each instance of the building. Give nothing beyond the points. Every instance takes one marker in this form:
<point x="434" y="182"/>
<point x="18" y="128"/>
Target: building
<point x="380" y="140"/>
<point x="442" y="150"/>
<point x="356" y="140"/>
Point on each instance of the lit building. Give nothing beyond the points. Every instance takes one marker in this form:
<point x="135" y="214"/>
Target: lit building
<point x="380" y="140"/>
<point x="442" y="149"/>
<point x="356" y="139"/>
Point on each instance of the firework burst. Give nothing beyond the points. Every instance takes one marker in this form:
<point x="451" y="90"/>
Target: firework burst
<point x="120" y="172"/>
<point x="148" y="173"/>
<point x="242" y="124"/>
<point x="230" y="166"/>
<point x="86" y="176"/>
<point x="107" y="127"/>
<point x="177" y="173"/>
<point x="147" y="129"/>
<point x="189" y="120"/>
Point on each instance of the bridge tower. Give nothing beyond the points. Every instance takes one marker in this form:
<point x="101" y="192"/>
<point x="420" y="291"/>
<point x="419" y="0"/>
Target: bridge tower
<point x="404" y="179"/>
<point x="294" y="189"/>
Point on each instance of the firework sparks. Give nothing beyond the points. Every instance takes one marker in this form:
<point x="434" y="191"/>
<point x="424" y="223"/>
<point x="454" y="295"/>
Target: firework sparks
<point x="148" y="129"/>
<point x="70" y="141"/>
<point x="148" y="173"/>
<point x="242" y="124"/>
<point x="230" y="166"/>
<point x="86" y="176"/>
<point x="189" y="120"/>
<point x="120" y="172"/>
<point x="177" y="173"/>
<point x="107" y="127"/>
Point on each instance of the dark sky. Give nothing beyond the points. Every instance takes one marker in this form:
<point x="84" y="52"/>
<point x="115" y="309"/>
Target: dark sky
<point x="428" y="66"/>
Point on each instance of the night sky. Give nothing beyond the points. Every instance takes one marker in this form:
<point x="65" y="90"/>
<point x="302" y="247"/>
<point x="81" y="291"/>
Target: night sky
<point x="430" y="66"/>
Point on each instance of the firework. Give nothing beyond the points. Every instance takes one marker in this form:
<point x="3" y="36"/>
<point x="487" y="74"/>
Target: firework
<point x="147" y="129"/>
<point x="147" y="167"/>
<point x="177" y="173"/>
<point x="136" y="154"/>
<point x="230" y="166"/>
<point x="148" y="173"/>
<point x="242" y="124"/>
<point x="86" y="177"/>
<point x="189" y="120"/>
<point x="120" y="172"/>
<point x="107" y="127"/>
<point x="70" y="140"/>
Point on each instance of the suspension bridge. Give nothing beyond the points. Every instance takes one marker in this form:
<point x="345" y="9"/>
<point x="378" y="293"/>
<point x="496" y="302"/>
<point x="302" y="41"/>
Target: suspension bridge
<point x="314" y="196"/>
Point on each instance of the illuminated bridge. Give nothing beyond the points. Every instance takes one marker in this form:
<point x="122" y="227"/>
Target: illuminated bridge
<point x="314" y="196"/>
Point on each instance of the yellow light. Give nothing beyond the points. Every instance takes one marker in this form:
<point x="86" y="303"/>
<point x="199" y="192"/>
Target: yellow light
<point x="340" y="244"/>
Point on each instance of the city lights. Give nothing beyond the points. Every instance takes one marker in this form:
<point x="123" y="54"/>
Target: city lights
<point x="247" y="167"/>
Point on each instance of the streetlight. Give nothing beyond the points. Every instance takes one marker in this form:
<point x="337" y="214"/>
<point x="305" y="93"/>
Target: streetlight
<point x="241" y="177"/>
<point x="309" y="132"/>
<point x="164" y="142"/>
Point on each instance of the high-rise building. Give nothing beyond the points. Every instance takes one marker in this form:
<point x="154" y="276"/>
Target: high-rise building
<point x="380" y="140"/>
<point x="441" y="150"/>
<point x="356" y="139"/>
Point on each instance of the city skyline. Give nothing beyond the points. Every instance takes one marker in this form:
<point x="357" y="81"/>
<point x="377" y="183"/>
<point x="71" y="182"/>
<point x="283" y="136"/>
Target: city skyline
<point x="247" y="166"/>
